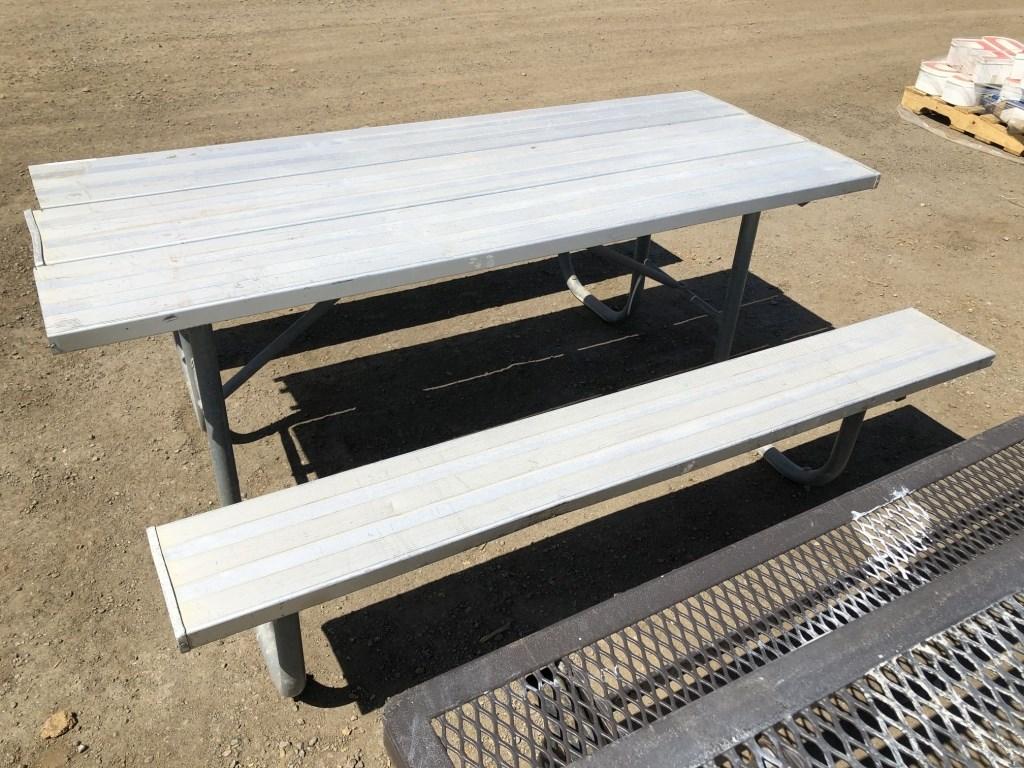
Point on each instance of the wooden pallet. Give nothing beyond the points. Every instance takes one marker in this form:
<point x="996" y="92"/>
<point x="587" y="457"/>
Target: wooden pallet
<point x="970" y="120"/>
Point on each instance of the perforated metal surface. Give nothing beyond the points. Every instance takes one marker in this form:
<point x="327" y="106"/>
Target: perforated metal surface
<point x="955" y="700"/>
<point x="572" y="707"/>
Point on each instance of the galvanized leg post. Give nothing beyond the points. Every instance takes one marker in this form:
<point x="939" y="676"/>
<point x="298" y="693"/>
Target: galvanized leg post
<point x="211" y="394"/>
<point x="188" y="370"/>
<point x="281" y="643"/>
<point x="280" y="640"/>
<point x="842" y="449"/>
<point x="737" y="283"/>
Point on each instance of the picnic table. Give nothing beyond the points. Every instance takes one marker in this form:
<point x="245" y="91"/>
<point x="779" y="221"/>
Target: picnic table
<point x="174" y="241"/>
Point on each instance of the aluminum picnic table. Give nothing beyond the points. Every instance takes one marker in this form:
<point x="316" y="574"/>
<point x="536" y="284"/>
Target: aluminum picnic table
<point x="174" y="241"/>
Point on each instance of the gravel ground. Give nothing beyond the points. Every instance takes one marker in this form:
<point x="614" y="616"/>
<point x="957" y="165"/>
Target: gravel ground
<point x="98" y="444"/>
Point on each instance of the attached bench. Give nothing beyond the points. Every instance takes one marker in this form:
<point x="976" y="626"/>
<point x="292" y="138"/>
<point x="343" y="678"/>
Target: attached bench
<point x="259" y="562"/>
<point x="882" y="628"/>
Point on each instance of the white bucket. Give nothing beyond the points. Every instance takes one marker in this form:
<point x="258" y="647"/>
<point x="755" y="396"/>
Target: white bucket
<point x="1017" y="68"/>
<point x="960" y="49"/>
<point x="932" y="76"/>
<point x="1014" y="118"/>
<point x="989" y="68"/>
<point x="960" y="91"/>
<point x="1011" y="90"/>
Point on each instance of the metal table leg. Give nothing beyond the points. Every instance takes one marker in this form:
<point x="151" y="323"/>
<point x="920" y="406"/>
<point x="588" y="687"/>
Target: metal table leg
<point x="189" y="372"/>
<point x="737" y="283"/>
<point x="211" y="394"/>
<point x="280" y="640"/>
<point x="281" y="644"/>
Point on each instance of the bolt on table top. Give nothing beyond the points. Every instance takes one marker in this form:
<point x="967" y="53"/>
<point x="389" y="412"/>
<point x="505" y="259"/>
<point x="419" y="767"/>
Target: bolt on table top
<point x="132" y="246"/>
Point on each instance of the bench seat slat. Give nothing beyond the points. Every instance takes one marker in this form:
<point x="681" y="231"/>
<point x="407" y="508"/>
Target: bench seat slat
<point x="236" y="567"/>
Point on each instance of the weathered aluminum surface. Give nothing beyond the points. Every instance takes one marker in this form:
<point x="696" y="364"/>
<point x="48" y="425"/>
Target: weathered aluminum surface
<point x="267" y="557"/>
<point x="142" y="244"/>
<point x="684" y="669"/>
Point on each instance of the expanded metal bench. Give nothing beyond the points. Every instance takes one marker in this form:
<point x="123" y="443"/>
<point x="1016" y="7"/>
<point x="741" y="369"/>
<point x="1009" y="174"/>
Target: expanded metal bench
<point x="884" y="628"/>
<point x="259" y="562"/>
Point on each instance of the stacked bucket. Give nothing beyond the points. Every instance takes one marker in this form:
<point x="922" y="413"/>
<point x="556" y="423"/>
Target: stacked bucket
<point x="979" y="71"/>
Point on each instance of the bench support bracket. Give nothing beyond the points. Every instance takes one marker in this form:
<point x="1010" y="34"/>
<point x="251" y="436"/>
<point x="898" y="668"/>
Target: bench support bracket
<point x="642" y="267"/>
<point x="842" y="449"/>
<point x="640" y="258"/>
<point x="281" y="643"/>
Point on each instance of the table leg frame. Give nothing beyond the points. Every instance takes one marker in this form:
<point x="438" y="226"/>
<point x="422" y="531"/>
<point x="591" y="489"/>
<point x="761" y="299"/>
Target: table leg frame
<point x="729" y="317"/>
<point x="188" y="371"/>
<point x="641" y="266"/>
<point x="280" y="343"/>
<point x="281" y="644"/>
<point x="279" y="640"/>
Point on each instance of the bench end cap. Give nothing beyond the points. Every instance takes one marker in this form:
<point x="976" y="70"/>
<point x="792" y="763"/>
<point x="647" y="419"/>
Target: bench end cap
<point x="167" y="588"/>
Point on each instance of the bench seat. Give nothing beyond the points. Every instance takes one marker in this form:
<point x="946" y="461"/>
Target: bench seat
<point x="237" y="567"/>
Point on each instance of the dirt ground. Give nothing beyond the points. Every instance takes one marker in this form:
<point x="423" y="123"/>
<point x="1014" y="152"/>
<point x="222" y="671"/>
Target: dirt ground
<point x="99" y="444"/>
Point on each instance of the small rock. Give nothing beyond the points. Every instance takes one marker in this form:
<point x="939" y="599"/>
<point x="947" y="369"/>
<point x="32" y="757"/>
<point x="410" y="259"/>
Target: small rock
<point x="81" y="748"/>
<point x="226" y="752"/>
<point x="87" y="89"/>
<point x="313" y="741"/>
<point x="57" y="724"/>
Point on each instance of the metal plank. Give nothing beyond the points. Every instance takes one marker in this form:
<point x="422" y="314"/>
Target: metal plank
<point x="77" y="181"/>
<point x="187" y="283"/>
<point x="252" y="562"/>
<point x="103" y="228"/>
